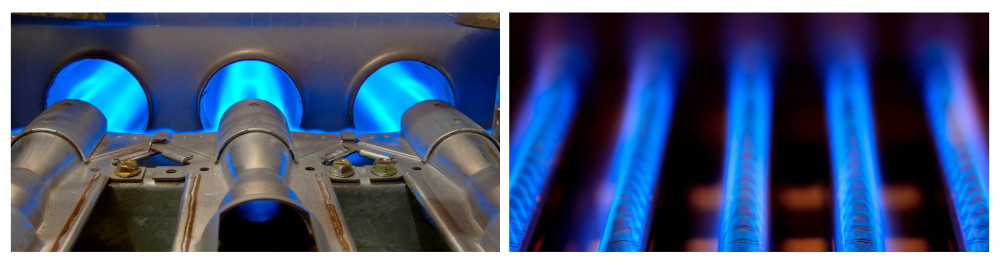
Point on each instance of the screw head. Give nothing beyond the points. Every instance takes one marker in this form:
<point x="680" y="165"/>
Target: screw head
<point x="127" y="169"/>
<point x="341" y="168"/>
<point x="384" y="168"/>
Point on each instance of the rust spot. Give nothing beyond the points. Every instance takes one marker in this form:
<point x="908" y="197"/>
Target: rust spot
<point x="334" y="217"/>
<point x="192" y="203"/>
<point x="76" y="211"/>
<point x="434" y="198"/>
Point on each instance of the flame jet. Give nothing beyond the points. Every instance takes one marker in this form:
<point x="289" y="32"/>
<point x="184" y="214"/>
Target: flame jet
<point x="857" y="199"/>
<point x="750" y="74"/>
<point x="642" y="137"/>
<point x="549" y="110"/>
<point x="955" y="125"/>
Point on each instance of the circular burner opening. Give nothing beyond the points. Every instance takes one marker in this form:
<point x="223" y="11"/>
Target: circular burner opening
<point x="249" y="79"/>
<point x="109" y="87"/>
<point x="393" y="88"/>
<point x="265" y="225"/>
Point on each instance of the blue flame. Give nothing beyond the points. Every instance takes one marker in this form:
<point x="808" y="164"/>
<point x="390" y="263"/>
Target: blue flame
<point x="394" y="88"/>
<point x="357" y="160"/>
<point x="641" y="141"/>
<point x="551" y="108"/>
<point x="857" y="199"/>
<point x="956" y="127"/>
<point x="554" y="109"/>
<point x="744" y="220"/>
<point x="249" y="79"/>
<point x="172" y="131"/>
<point x="109" y="87"/>
<point x="258" y="211"/>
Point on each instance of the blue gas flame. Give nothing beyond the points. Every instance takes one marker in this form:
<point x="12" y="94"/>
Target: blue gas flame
<point x="551" y="105"/>
<point x="859" y="220"/>
<point x="258" y="211"/>
<point x="956" y="127"/>
<point x="394" y="88"/>
<point x="744" y="225"/>
<point x="641" y="140"/>
<point x="249" y="79"/>
<point x="109" y="87"/>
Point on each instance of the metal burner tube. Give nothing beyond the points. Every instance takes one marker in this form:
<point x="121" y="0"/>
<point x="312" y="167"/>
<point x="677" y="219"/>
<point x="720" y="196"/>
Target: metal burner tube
<point x="254" y="151"/>
<point x="451" y="142"/>
<point x="47" y="150"/>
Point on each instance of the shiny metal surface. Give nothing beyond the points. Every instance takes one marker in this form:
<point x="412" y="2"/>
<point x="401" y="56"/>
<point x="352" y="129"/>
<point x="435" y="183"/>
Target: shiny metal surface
<point x="457" y="188"/>
<point x="52" y="146"/>
<point x="253" y="156"/>
<point x="472" y="160"/>
<point x="428" y="123"/>
<point x="254" y="166"/>
<point x="480" y="20"/>
<point x="77" y="121"/>
<point x="372" y="154"/>
<point x="390" y="144"/>
<point x="38" y="161"/>
<point x="68" y="208"/>
<point x="252" y="115"/>
<point x="447" y="207"/>
<point x="174" y="154"/>
<point x="120" y="144"/>
<point x="468" y="159"/>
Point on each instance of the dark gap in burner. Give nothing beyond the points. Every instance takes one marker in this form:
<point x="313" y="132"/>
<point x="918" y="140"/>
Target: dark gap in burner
<point x="912" y="182"/>
<point x="686" y="213"/>
<point x="801" y="194"/>
<point x="286" y="231"/>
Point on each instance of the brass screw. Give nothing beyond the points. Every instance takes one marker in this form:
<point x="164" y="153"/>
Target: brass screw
<point x="384" y="168"/>
<point x="127" y="169"/>
<point x="342" y="168"/>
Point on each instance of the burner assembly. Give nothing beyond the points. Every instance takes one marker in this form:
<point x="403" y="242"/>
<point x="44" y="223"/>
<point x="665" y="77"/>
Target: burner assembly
<point x="256" y="132"/>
